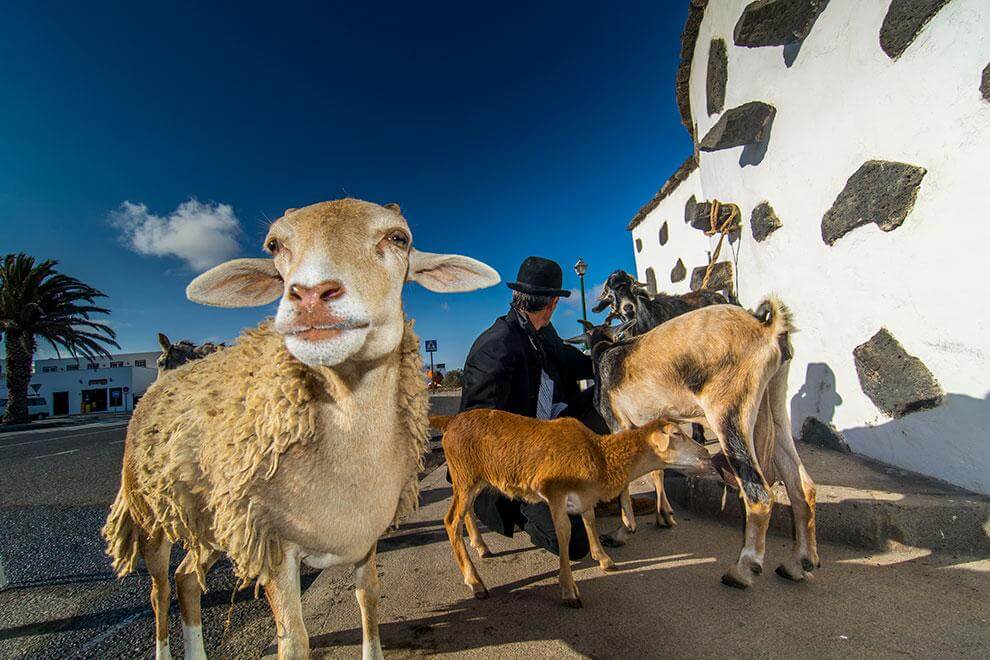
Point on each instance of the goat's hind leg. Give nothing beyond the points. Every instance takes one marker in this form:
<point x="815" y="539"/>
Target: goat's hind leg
<point x="460" y="504"/>
<point x="734" y="427"/>
<point x="187" y="583"/>
<point x="562" y="526"/>
<point x="156" y="552"/>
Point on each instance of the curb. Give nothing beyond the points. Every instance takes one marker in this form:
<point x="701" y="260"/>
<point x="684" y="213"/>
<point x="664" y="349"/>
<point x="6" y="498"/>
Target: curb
<point x="921" y="514"/>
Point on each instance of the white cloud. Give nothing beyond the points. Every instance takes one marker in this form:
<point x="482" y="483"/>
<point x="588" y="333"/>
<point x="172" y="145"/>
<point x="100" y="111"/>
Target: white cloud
<point x="591" y="295"/>
<point x="202" y="235"/>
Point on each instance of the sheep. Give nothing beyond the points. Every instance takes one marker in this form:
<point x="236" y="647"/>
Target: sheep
<point x="727" y="367"/>
<point x="631" y="301"/>
<point x="560" y="462"/>
<point x="302" y="441"/>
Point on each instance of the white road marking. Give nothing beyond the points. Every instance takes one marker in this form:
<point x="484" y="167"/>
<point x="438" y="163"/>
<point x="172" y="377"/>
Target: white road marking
<point x="58" y="453"/>
<point x="55" y="439"/>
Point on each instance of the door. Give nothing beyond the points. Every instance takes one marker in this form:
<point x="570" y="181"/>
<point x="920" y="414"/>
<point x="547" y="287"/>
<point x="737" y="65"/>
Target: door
<point x="94" y="400"/>
<point x="60" y="403"/>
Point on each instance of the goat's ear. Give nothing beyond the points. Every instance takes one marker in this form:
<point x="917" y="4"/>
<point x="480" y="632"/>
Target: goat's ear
<point x="237" y="283"/>
<point x="582" y="339"/>
<point x="164" y="341"/>
<point x="661" y="437"/>
<point x="449" y="273"/>
<point x="600" y="307"/>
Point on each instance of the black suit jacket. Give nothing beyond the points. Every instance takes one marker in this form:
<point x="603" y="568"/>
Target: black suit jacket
<point x="502" y="370"/>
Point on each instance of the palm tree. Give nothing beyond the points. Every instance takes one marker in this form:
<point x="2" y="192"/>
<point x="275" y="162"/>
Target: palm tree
<point x="36" y="302"/>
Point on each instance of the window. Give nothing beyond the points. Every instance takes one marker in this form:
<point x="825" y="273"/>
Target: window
<point x="140" y="363"/>
<point x="72" y="367"/>
<point x="93" y="365"/>
<point x="114" y="365"/>
<point x="49" y="370"/>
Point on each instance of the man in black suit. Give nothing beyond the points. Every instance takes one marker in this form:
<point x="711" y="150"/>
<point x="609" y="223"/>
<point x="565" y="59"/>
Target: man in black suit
<point x="520" y="365"/>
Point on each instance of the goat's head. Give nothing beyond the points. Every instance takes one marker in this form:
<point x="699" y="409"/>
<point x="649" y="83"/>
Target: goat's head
<point x="597" y="334"/>
<point x="677" y="450"/>
<point x="621" y="292"/>
<point x="337" y="269"/>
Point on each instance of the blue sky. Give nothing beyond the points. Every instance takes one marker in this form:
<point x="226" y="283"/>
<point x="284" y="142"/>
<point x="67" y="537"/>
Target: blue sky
<point x="502" y="132"/>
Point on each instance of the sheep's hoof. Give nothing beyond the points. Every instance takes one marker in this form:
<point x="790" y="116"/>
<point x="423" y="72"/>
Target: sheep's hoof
<point x="733" y="578"/>
<point x="793" y="574"/>
<point x="573" y="602"/>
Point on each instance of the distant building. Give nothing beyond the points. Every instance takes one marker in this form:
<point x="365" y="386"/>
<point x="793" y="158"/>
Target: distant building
<point x="851" y="140"/>
<point x="69" y="386"/>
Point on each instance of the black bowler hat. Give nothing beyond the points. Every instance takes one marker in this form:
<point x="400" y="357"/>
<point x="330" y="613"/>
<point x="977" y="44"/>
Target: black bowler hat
<point x="540" y="277"/>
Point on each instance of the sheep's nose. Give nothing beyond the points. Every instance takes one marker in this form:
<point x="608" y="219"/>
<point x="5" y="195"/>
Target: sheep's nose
<point x="309" y="296"/>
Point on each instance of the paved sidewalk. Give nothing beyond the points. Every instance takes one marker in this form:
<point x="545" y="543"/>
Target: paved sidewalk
<point x="665" y="600"/>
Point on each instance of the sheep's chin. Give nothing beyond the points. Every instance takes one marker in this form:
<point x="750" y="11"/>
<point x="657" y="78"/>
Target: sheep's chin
<point x="328" y="352"/>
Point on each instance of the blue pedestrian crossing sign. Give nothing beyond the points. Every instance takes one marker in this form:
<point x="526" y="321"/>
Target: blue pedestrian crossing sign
<point x="431" y="345"/>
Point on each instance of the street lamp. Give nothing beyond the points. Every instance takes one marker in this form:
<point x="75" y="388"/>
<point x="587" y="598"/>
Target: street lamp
<point x="581" y="268"/>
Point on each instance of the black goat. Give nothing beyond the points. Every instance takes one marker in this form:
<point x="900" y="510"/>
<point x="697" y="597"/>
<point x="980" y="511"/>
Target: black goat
<point x="631" y="301"/>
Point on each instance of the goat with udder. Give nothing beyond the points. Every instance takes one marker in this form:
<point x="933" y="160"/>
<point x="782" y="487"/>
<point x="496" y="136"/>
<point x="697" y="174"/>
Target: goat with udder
<point x="727" y="367"/>
<point x="302" y="441"/>
<point x="641" y="311"/>
<point x="560" y="462"/>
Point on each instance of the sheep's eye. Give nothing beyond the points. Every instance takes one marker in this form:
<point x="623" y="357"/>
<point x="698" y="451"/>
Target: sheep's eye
<point x="399" y="238"/>
<point x="272" y="245"/>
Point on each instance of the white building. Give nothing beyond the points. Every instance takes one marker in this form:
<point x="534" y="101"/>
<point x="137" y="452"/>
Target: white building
<point x="853" y="138"/>
<point x="69" y="386"/>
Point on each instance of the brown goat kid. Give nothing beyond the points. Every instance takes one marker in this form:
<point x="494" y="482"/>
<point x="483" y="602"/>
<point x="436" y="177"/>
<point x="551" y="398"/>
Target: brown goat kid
<point x="560" y="462"/>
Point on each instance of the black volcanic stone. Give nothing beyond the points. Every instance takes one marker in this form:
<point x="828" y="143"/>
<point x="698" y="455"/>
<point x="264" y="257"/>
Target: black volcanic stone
<point x="985" y="84"/>
<point x="898" y="383"/>
<point x="903" y="22"/>
<point x="718" y="74"/>
<point x="682" y="80"/>
<point x="748" y="123"/>
<point x="763" y="221"/>
<point x="880" y="191"/>
<point x="703" y="211"/>
<point x="776" y="22"/>
<point x="689" y="208"/>
<point x="679" y="272"/>
<point x="639" y="245"/>
<point x="721" y="277"/>
<point x="651" y="281"/>
<point x="664" y="234"/>
<point x="816" y="432"/>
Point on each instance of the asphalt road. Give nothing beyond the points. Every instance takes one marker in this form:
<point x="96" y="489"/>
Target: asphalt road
<point x="64" y="601"/>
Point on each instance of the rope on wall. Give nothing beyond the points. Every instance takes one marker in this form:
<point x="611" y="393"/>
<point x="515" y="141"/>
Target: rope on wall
<point x="730" y="225"/>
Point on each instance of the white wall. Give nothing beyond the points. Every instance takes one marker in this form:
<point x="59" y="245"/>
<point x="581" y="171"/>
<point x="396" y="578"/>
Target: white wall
<point x="843" y="102"/>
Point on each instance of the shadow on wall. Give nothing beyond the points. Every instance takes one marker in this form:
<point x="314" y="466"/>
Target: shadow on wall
<point x="957" y="428"/>
<point x="816" y="398"/>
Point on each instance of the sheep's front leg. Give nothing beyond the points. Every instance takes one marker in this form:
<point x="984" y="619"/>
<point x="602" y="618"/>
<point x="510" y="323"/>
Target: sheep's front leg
<point x="367" y="588"/>
<point x="628" y="524"/>
<point x="285" y="598"/>
<point x="562" y="526"/>
<point x="597" y="551"/>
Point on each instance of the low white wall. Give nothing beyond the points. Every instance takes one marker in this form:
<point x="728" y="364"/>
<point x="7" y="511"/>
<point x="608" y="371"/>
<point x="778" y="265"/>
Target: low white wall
<point x="842" y="102"/>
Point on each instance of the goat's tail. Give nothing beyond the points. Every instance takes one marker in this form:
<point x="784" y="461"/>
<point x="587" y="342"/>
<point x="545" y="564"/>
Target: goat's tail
<point x="775" y="315"/>
<point x="441" y="422"/>
<point x="122" y="533"/>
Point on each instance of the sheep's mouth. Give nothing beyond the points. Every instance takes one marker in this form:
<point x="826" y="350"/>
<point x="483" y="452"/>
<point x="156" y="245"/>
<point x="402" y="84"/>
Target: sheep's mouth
<point x="325" y="332"/>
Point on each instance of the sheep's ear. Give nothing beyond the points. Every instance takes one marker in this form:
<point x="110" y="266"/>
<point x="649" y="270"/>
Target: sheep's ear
<point x="164" y="341"/>
<point x="237" y="283"/>
<point x="449" y="273"/>
<point x="392" y="206"/>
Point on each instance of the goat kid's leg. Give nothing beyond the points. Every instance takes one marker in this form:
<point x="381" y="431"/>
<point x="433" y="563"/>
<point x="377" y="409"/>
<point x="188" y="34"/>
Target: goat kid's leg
<point x="190" y="596"/>
<point x="460" y="504"/>
<point x="155" y="553"/>
<point x="562" y="526"/>
<point x="735" y="433"/>
<point x="367" y="589"/>
<point x="477" y="542"/>
<point x="597" y="551"/>
<point x="628" y="525"/>
<point x="665" y="513"/>
<point x="285" y="598"/>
